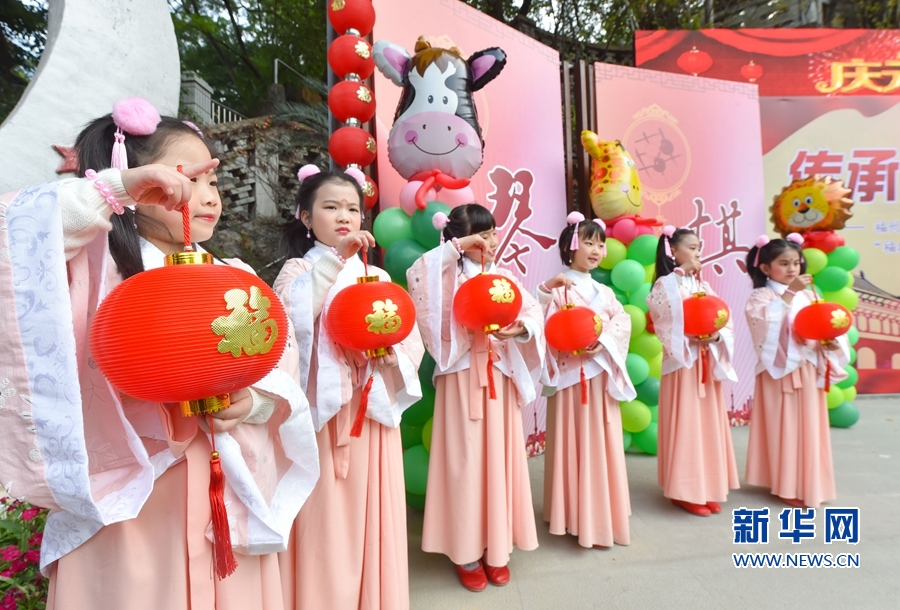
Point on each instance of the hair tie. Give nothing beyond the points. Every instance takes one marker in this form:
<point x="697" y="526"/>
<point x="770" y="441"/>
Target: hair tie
<point x="306" y="171"/>
<point x="668" y="232"/>
<point x="195" y="128"/>
<point x="574" y="219"/>
<point x="761" y="242"/>
<point x="795" y="237"/>
<point x="357" y="175"/>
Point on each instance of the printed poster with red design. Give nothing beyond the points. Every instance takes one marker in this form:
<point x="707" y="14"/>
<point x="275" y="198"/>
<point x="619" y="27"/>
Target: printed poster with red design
<point x="522" y="178"/>
<point x="829" y="105"/>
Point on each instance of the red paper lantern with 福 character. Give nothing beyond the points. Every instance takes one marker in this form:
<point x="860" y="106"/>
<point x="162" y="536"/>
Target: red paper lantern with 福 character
<point x="823" y="322"/>
<point x="155" y="344"/>
<point x="486" y="303"/>
<point x="574" y="328"/>
<point x="704" y="316"/>
<point x="370" y="316"/>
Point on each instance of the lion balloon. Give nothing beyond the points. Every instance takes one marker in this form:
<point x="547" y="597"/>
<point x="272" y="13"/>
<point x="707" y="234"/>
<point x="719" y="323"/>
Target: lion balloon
<point x="615" y="185"/>
<point x="812" y="204"/>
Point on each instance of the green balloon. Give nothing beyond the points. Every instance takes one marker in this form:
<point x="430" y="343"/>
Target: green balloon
<point x="422" y="228"/>
<point x="638" y="319"/>
<point x="849" y="394"/>
<point x="656" y="366"/>
<point x="844" y="416"/>
<point x="410" y="435"/>
<point x="845" y="257"/>
<point x="646" y="439"/>
<point x="853" y="335"/>
<point x="400" y="256"/>
<point x="638" y="298"/>
<point x="426" y="435"/>
<point x="415" y="469"/>
<point x="637" y="367"/>
<point x="422" y="410"/>
<point x="390" y="226"/>
<point x="635" y="416"/>
<point x="615" y="253"/>
<point x="646" y="346"/>
<point x="415" y="501"/>
<point x="643" y="249"/>
<point x="626" y="439"/>
<point x="621" y="297"/>
<point x="628" y="275"/>
<point x="832" y="279"/>
<point x="852" y="355"/>
<point x="426" y="370"/>
<point x="648" y="391"/>
<point x="601" y="275"/>
<point x="845" y="296"/>
<point x="649" y="273"/>
<point x="654" y="412"/>
<point x="834" y="397"/>
<point x="816" y="260"/>
<point x="852" y="378"/>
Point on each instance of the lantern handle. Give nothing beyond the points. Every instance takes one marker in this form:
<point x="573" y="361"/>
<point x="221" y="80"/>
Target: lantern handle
<point x="185" y="220"/>
<point x="365" y="257"/>
<point x="482" y="260"/>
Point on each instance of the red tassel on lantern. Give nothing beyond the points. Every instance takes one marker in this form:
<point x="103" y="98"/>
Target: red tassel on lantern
<point x="356" y="429"/>
<point x="351" y="100"/>
<point x="704" y="315"/>
<point x="358" y="15"/>
<point x="584" y="386"/>
<point x="352" y="145"/>
<point x="492" y="389"/>
<point x="224" y="561"/>
<point x="827" y="375"/>
<point x="351" y="54"/>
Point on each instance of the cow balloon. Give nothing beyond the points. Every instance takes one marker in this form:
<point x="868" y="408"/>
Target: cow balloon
<point x="435" y="142"/>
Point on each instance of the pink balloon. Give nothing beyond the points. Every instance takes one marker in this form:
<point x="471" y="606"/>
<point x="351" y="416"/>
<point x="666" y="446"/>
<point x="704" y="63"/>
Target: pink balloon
<point x="408" y="196"/>
<point x="645" y="230"/>
<point x="455" y="197"/>
<point x="626" y="230"/>
<point x="611" y="232"/>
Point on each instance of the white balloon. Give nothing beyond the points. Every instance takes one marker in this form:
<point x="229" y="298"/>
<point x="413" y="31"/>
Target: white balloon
<point x="98" y="51"/>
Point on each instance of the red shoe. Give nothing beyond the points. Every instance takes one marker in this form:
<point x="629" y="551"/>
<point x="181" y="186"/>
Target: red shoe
<point x="474" y="580"/>
<point x="793" y="502"/>
<point x="497" y="576"/>
<point x="695" y="509"/>
<point x="714" y="507"/>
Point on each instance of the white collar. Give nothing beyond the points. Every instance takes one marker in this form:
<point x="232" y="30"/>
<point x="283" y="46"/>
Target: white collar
<point x="316" y="252"/>
<point x="778" y="287"/>
<point x="471" y="268"/>
<point x="579" y="275"/>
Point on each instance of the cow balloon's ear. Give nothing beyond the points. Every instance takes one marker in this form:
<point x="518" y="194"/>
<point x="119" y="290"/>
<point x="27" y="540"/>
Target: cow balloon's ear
<point x="392" y="60"/>
<point x="485" y="66"/>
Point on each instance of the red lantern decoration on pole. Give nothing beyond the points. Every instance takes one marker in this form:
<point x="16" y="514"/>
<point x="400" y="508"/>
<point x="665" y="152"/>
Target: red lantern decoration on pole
<point x="350" y="54"/>
<point x="352" y="146"/>
<point x="752" y="71"/>
<point x="695" y="61"/>
<point x="823" y="322"/>
<point x="574" y="329"/>
<point x="228" y="336"/>
<point x="351" y="100"/>
<point x="370" y="316"/>
<point x="704" y="315"/>
<point x="370" y="194"/>
<point x="356" y="15"/>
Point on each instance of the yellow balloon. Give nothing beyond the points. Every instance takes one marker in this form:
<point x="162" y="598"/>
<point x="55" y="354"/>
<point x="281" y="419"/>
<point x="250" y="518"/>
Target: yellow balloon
<point x="656" y="366"/>
<point x="850" y="394"/>
<point x="649" y="273"/>
<point x="426" y="434"/>
<point x="615" y="184"/>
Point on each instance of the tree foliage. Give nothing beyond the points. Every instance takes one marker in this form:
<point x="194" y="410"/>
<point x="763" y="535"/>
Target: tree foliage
<point x="23" y="32"/>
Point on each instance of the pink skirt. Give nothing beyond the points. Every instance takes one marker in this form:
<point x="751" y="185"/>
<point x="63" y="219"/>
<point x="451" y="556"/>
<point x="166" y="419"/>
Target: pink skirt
<point x="696" y="457"/>
<point x="479" y="492"/>
<point x="790" y="439"/>
<point x="585" y="482"/>
<point x="348" y="546"/>
<point x="162" y="558"/>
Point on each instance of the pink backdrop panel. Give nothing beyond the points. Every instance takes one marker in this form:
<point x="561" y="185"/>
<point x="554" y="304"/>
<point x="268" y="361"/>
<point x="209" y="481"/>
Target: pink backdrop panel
<point x="522" y="179"/>
<point x="697" y="145"/>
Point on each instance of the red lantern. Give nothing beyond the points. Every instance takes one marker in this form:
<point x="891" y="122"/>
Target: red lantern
<point x="351" y="100"/>
<point x="823" y="321"/>
<point x="752" y="72"/>
<point x="704" y="315"/>
<point x="487" y="303"/>
<point x="357" y="15"/>
<point x="573" y="329"/>
<point x="695" y="62"/>
<point x="370" y="194"/>
<point x="370" y="316"/>
<point x="352" y="145"/>
<point x="228" y="336"/>
<point x="351" y="54"/>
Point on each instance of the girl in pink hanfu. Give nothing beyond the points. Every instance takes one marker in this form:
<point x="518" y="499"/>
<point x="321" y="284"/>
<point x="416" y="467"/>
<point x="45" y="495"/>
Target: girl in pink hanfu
<point x="348" y="548"/>
<point x="790" y="444"/>
<point x="696" y="458"/>
<point x="585" y="483"/>
<point x="128" y="481"/>
<point x="478" y="499"/>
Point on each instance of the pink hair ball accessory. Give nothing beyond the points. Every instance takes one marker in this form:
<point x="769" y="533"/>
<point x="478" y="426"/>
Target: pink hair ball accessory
<point x="439" y="221"/>
<point x="600" y="222"/>
<point x="306" y="171"/>
<point x="574" y="218"/>
<point x="762" y="241"/>
<point x="357" y="175"/>
<point x="795" y="237"/>
<point x="136" y="116"/>
<point x="669" y="230"/>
